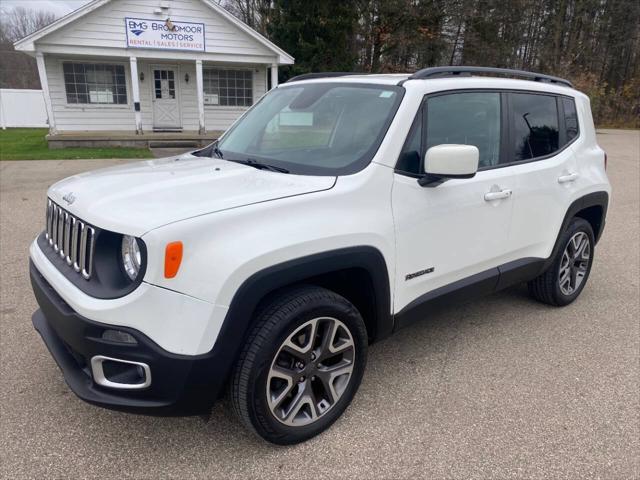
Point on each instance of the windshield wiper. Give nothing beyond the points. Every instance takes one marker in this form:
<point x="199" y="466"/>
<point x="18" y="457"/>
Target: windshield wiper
<point x="261" y="166"/>
<point x="217" y="151"/>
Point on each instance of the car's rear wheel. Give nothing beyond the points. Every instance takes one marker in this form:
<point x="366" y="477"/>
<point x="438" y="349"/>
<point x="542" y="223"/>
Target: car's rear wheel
<point x="301" y="366"/>
<point x="567" y="276"/>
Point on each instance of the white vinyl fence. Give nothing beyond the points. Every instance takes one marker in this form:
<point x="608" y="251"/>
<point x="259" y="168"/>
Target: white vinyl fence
<point x="22" y="108"/>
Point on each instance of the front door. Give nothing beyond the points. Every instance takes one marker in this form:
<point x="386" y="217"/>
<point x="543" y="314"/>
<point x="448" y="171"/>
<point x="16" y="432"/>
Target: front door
<point x="166" y="102"/>
<point x="455" y="230"/>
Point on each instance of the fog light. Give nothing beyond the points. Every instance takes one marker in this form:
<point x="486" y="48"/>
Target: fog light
<point x="120" y="374"/>
<point x="119" y="337"/>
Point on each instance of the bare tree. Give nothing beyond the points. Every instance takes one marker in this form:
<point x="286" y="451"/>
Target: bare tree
<point x="18" y="70"/>
<point x="254" y="13"/>
<point x="19" y="22"/>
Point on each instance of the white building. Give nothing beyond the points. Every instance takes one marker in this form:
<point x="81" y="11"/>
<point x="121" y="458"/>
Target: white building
<point x="141" y="66"/>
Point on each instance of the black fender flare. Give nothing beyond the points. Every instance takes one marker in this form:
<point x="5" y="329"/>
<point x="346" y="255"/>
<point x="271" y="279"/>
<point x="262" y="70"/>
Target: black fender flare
<point x="595" y="199"/>
<point x="239" y="318"/>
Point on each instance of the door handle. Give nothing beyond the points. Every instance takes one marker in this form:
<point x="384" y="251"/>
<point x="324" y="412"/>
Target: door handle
<point x="497" y="195"/>
<point x="571" y="177"/>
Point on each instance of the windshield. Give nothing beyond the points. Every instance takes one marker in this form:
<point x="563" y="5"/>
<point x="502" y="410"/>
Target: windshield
<point x="314" y="129"/>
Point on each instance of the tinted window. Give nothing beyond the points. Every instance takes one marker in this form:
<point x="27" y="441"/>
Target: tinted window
<point x="410" y="160"/>
<point x="466" y="119"/>
<point x="535" y="125"/>
<point x="570" y="118"/>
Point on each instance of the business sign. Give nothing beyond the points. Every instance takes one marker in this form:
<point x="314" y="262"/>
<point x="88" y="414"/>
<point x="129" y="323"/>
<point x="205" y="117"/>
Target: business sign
<point x="164" y="34"/>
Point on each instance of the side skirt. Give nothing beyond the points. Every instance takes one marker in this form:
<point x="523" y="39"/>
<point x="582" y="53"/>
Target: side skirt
<point x="470" y="288"/>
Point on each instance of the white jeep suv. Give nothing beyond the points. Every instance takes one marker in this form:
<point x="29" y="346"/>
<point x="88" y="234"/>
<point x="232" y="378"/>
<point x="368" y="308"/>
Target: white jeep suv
<point x="338" y="209"/>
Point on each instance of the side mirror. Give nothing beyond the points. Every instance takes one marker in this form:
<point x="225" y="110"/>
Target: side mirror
<point x="450" y="161"/>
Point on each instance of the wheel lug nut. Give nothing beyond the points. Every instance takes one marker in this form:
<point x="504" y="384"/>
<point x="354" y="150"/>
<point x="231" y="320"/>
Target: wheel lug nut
<point x="301" y="379"/>
<point x="313" y="356"/>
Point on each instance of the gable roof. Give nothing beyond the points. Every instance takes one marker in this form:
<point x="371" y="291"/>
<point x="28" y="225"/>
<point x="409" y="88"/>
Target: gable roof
<point x="27" y="43"/>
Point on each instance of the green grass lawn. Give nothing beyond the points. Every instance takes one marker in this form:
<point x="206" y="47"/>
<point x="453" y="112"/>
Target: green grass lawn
<point x="30" y="144"/>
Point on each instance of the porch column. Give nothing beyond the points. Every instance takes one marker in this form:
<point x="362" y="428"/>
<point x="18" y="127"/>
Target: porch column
<point x="135" y="89"/>
<point x="200" y="88"/>
<point x="274" y="75"/>
<point x="44" y="83"/>
<point x="2" y="115"/>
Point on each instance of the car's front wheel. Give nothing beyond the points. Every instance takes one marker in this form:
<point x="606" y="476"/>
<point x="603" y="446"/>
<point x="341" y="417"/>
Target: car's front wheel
<point x="301" y="366"/>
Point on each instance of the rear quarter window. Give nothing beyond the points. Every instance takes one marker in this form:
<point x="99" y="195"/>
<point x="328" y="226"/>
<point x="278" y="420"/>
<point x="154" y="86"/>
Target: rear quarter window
<point x="570" y="118"/>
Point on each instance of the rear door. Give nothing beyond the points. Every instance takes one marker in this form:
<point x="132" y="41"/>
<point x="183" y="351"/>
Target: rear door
<point x="542" y="128"/>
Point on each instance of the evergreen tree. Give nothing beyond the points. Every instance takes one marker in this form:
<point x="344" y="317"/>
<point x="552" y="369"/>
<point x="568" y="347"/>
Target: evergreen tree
<point x="318" y="33"/>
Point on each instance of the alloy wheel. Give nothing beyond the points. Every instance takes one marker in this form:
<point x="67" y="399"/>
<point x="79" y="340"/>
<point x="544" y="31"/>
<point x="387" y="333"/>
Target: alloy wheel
<point x="310" y="371"/>
<point x="574" y="263"/>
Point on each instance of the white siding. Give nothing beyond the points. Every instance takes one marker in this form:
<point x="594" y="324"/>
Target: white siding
<point x="105" y="27"/>
<point x="73" y="117"/>
<point x="100" y="36"/>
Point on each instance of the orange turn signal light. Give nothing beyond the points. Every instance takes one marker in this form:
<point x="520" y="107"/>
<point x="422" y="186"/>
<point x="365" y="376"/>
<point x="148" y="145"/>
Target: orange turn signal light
<point x="172" y="259"/>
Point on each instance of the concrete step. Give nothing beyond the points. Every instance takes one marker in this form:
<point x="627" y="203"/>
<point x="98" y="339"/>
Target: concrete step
<point x="174" y="143"/>
<point x="185" y="139"/>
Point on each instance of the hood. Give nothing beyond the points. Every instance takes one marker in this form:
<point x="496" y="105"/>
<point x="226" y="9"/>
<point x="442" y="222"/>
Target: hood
<point x="141" y="196"/>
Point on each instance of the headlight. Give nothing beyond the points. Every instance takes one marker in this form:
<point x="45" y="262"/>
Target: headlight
<point x="131" y="256"/>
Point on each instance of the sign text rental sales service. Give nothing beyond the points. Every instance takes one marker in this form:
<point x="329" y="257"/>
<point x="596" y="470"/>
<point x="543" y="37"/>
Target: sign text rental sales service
<point x="144" y="33"/>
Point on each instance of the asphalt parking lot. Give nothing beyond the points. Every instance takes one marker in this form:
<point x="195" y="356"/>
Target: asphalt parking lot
<point x="502" y="388"/>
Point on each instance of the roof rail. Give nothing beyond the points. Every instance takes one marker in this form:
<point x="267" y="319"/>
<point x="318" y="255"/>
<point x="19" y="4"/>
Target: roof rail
<point x="311" y="76"/>
<point x="434" y="72"/>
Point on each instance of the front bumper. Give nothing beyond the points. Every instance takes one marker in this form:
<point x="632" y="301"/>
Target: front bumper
<point x="180" y="384"/>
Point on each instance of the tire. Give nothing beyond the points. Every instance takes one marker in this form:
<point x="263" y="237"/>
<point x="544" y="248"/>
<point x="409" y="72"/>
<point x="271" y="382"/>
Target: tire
<point x="295" y="337"/>
<point x="548" y="287"/>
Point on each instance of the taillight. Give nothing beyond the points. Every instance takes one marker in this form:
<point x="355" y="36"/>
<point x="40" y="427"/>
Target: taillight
<point x="605" y="161"/>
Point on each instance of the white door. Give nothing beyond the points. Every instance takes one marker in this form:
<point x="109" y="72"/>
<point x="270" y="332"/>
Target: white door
<point x="166" y="101"/>
<point x="454" y="230"/>
<point x="547" y="177"/>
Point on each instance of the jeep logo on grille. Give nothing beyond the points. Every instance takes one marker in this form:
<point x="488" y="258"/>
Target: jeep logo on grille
<point x="69" y="198"/>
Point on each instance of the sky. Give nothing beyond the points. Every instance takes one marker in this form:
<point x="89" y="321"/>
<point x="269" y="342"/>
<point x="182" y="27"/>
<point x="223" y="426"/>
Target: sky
<point x="57" y="7"/>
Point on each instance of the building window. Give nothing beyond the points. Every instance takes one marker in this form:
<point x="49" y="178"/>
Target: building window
<point x="165" y="84"/>
<point x="228" y="87"/>
<point x="95" y="83"/>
